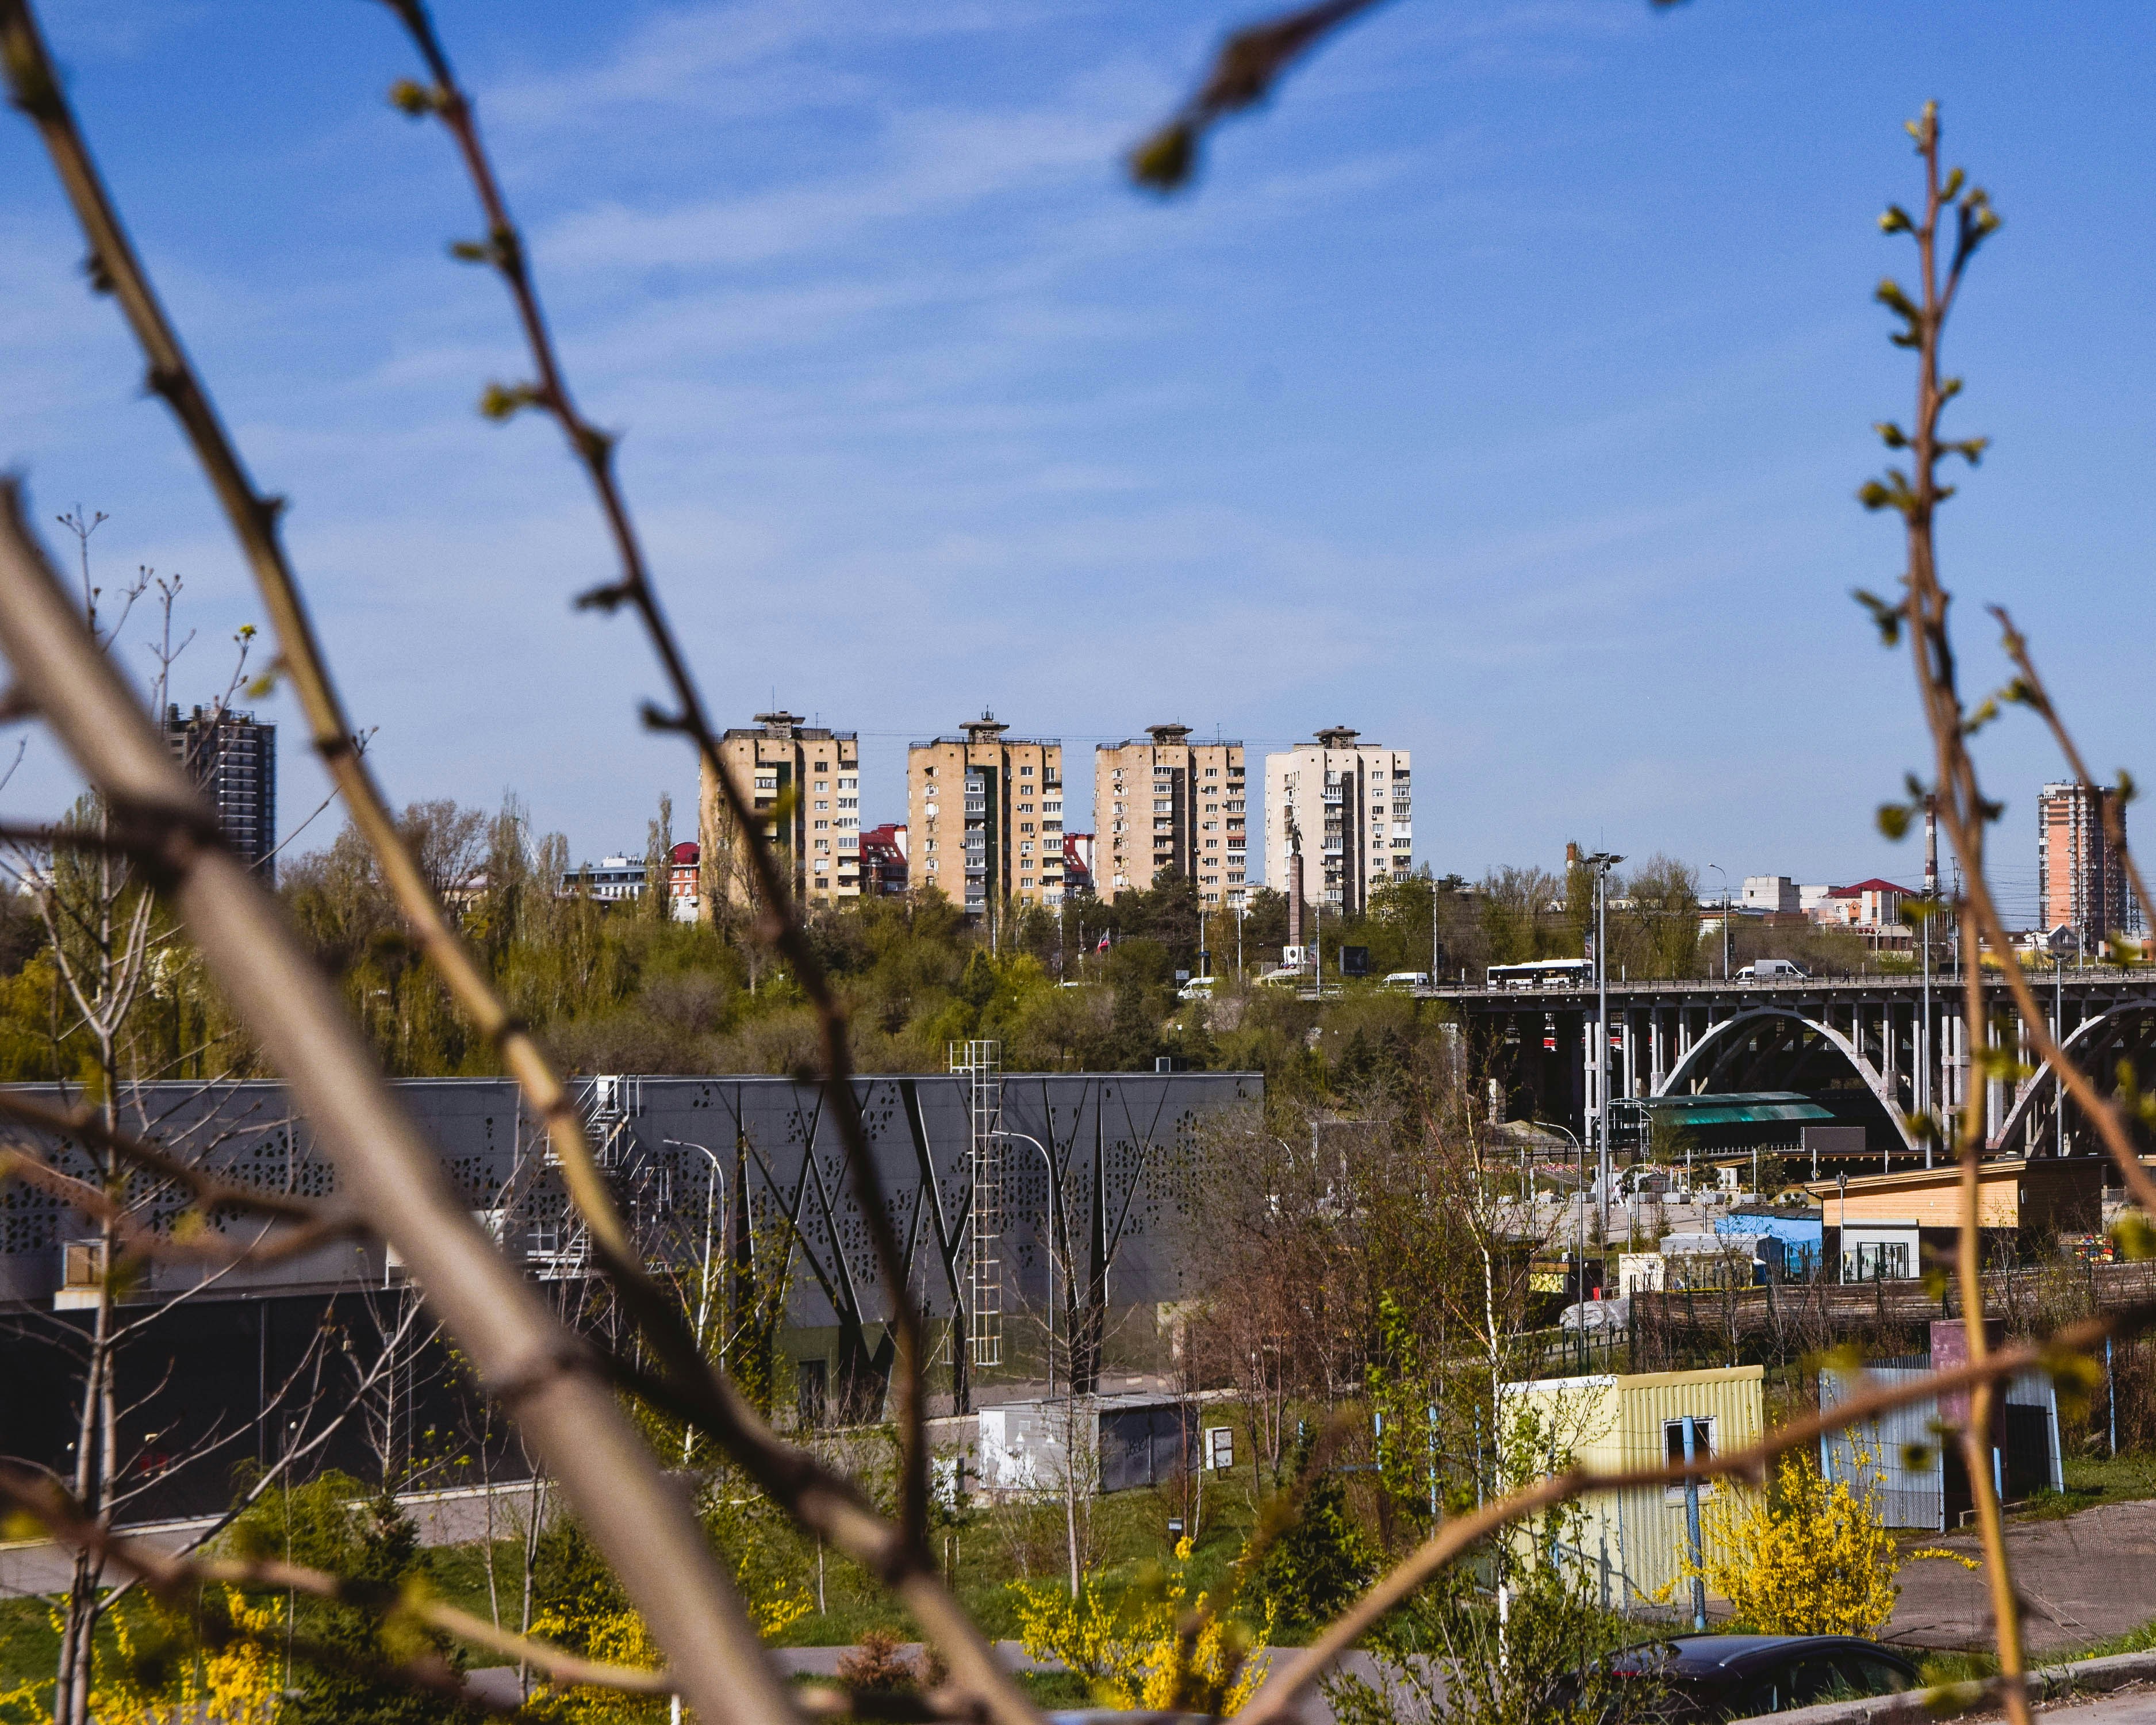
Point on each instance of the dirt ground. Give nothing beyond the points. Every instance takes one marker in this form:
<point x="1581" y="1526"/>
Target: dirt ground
<point x="2083" y="1578"/>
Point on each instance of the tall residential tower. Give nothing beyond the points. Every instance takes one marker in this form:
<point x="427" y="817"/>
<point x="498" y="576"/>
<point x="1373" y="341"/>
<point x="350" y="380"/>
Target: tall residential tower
<point x="984" y="817"/>
<point x="2080" y="882"/>
<point x="816" y="835"/>
<point x="1167" y="806"/>
<point x="233" y="757"/>
<point x="1337" y="822"/>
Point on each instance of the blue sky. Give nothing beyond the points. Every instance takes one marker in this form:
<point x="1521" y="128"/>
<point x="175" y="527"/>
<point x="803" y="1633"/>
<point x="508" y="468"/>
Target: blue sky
<point x="1501" y="391"/>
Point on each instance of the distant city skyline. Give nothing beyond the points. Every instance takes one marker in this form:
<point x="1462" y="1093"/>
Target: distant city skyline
<point x="1500" y="390"/>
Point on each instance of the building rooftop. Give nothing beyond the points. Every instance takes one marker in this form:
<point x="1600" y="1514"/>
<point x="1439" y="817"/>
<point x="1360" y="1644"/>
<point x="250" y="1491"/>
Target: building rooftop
<point x="987" y="729"/>
<point x="786" y="727"/>
<point x="1874" y="884"/>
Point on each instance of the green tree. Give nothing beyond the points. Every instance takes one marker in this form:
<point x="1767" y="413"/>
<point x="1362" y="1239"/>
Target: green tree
<point x="333" y="1523"/>
<point x="1323" y="1560"/>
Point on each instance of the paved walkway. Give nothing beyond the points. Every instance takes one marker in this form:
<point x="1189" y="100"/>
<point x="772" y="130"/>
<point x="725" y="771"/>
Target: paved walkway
<point x="2085" y="1578"/>
<point x="498" y="1683"/>
<point x="2128" y="1706"/>
<point x="457" y="1517"/>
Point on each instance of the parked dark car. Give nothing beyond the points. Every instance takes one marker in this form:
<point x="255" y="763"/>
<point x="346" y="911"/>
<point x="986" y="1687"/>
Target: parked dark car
<point x="1711" y="1678"/>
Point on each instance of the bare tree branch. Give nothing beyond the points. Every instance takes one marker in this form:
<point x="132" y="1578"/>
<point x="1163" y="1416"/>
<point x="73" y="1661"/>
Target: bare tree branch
<point x="1250" y="63"/>
<point x="207" y="1192"/>
<point x="204" y="1246"/>
<point x="781" y="925"/>
<point x="2056" y="1352"/>
<point x="1916" y="495"/>
<point x="253" y="517"/>
<point x="168" y="1574"/>
<point x="2029" y="689"/>
<point x="541" y="1373"/>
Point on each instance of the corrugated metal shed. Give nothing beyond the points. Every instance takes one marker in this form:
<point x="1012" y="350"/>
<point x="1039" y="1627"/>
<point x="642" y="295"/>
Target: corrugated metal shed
<point x="1624" y="1421"/>
<point x="1901" y="1455"/>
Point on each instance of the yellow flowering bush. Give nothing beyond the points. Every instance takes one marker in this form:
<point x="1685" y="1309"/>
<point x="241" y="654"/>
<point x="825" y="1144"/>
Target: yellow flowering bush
<point x="1810" y="1558"/>
<point x="603" y="1627"/>
<point x="1135" y="1653"/>
<point x="237" y="1683"/>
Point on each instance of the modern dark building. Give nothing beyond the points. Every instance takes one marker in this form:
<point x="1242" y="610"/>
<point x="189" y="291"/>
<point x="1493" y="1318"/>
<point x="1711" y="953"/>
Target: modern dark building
<point x="724" y="1174"/>
<point x="233" y="757"/>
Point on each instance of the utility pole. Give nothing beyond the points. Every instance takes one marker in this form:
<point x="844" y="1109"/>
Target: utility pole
<point x="1433" y="928"/>
<point x="1926" y="1053"/>
<point x="1724" y="873"/>
<point x="1602" y="862"/>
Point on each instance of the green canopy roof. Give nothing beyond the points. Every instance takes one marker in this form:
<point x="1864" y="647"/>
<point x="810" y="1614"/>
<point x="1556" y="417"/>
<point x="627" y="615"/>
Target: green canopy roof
<point x="1734" y="1107"/>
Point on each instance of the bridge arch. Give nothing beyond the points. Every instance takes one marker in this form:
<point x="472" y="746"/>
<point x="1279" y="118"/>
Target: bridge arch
<point x="2126" y="1031"/>
<point x="1735" y="1051"/>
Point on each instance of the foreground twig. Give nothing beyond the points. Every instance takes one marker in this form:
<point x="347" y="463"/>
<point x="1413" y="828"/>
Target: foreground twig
<point x="115" y="268"/>
<point x="168" y="1574"/>
<point x="1244" y="71"/>
<point x="1917" y="495"/>
<point x="252" y="517"/>
<point x="204" y="1246"/>
<point x="2028" y="688"/>
<point x="209" y="1192"/>
<point x="394" y="1177"/>
<point x="1976" y="1435"/>
<point x="1454" y="1536"/>
<point x="634" y="588"/>
<point x="1250" y="63"/>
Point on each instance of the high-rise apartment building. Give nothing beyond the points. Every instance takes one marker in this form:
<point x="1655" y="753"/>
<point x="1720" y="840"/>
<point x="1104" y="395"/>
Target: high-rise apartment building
<point x="1338" y="822"/>
<point x="817" y="833"/>
<point x="2080" y="882"/>
<point x="1164" y="806"/>
<point x="234" y="758"/>
<point x="984" y="817"/>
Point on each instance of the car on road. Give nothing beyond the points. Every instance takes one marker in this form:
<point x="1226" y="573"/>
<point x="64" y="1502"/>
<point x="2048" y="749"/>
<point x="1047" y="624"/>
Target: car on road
<point x="1408" y="980"/>
<point x="1703" y="1680"/>
<point x="1775" y="970"/>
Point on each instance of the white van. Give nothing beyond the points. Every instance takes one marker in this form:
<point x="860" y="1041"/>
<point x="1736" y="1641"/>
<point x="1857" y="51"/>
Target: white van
<point x="1773" y="970"/>
<point x="1408" y="980"/>
<point x="1199" y="988"/>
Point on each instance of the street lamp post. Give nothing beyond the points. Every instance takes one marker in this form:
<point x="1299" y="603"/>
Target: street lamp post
<point x="1579" y="1227"/>
<point x="1602" y="862"/>
<point x="1724" y="873"/>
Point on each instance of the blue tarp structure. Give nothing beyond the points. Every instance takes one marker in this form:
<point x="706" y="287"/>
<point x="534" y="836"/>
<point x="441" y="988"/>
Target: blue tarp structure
<point x="1802" y="1233"/>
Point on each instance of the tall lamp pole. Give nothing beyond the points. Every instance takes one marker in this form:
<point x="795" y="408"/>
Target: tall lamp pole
<point x="1724" y="873"/>
<point x="1602" y="862"/>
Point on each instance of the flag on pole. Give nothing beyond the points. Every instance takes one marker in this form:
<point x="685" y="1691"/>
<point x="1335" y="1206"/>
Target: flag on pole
<point x="1103" y="946"/>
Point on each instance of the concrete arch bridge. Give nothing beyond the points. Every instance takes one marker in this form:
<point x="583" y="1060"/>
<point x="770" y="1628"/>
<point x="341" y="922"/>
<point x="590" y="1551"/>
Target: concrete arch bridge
<point x="1874" y="1050"/>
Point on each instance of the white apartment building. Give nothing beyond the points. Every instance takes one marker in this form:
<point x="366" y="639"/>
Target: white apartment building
<point x="1770" y="892"/>
<point x="1339" y="823"/>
